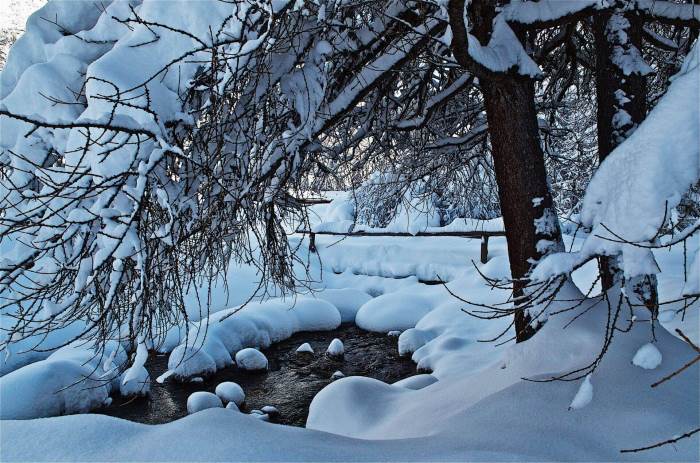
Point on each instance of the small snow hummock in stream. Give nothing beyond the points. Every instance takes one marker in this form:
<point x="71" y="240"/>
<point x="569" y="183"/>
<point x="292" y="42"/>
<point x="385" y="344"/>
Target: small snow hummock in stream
<point x="136" y="380"/>
<point x="270" y="411"/>
<point x="336" y="348"/>
<point x="230" y="392"/>
<point x="647" y="357"/>
<point x="305" y="348"/>
<point x="251" y="359"/>
<point x="259" y="414"/>
<point x="337" y="375"/>
<point x="584" y="395"/>
<point x="201" y="400"/>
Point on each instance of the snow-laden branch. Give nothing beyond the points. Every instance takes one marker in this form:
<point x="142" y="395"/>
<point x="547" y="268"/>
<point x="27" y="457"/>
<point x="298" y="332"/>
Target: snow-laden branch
<point x="630" y="196"/>
<point x="550" y="13"/>
<point x="504" y="53"/>
<point x="680" y="14"/>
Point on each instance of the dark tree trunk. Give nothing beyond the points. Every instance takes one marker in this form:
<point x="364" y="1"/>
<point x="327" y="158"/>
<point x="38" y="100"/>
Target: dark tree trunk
<point x="610" y="78"/>
<point x="522" y="182"/>
<point x="618" y="92"/>
<point x="532" y="227"/>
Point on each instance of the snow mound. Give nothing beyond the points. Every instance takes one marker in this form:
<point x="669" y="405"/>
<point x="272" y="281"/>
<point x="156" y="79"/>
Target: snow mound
<point x="647" y="357"/>
<point x="336" y="348"/>
<point x="32" y="348"/>
<point x="213" y="341"/>
<point x="74" y="379"/>
<point x="394" y="311"/>
<point x="230" y="392"/>
<point x="201" y="400"/>
<point x="251" y="359"/>
<point x="137" y="383"/>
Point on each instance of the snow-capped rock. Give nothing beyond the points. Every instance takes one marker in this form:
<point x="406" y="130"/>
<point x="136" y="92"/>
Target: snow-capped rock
<point x="270" y="411"/>
<point x="251" y="359"/>
<point x="411" y="340"/>
<point x="230" y="392"/>
<point x="259" y="414"/>
<point x="202" y="400"/>
<point x="336" y="348"/>
<point x="337" y="375"/>
<point x="305" y="348"/>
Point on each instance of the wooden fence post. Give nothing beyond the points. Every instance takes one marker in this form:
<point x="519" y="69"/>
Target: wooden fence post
<point x="484" y="249"/>
<point x="312" y="242"/>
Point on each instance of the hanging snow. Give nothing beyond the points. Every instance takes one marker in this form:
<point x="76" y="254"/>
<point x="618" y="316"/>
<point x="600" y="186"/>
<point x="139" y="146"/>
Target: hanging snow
<point x="584" y="395"/>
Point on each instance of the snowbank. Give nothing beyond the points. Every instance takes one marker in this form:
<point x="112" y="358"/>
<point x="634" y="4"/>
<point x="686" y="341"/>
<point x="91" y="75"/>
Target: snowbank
<point x="74" y="379"/>
<point x="212" y="342"/>
<point x="347" y="300"/>
<point x="33" y="348"/>
<point x="490" y="416"/>
<point x="491" y="407"/>
<point x="414" y="217"/>
<point x="426" y="258"/>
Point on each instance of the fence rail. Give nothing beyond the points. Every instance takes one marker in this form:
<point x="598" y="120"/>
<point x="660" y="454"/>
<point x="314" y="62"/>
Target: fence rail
<point x="483" y="235"/>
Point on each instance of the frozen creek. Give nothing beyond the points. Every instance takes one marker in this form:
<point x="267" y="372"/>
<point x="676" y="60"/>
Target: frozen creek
<point x="289" y="384"/>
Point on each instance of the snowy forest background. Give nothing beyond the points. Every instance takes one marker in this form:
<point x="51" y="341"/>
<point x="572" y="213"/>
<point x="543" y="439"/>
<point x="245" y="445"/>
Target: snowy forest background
<point x="200" y="181"/>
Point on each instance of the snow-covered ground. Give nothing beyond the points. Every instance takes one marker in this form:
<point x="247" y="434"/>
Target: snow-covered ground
<point x="480" y="407"/>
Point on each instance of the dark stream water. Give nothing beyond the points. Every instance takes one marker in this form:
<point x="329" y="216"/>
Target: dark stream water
<point x="289" y="384"/>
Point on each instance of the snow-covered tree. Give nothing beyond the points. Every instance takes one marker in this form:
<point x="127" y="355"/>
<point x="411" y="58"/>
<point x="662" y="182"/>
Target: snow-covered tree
<point x="146" y="144"/>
